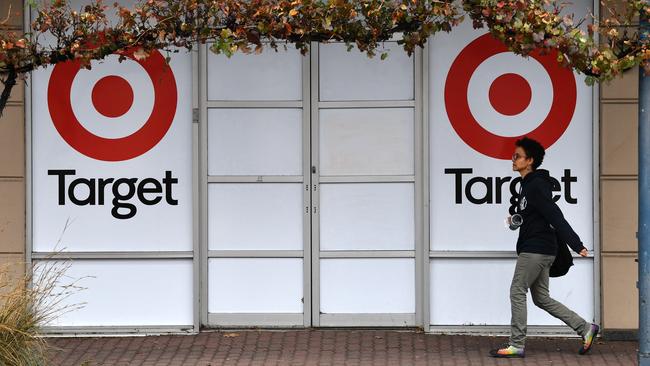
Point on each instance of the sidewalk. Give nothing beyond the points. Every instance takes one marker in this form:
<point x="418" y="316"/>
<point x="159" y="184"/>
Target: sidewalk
<point x="328" y="347"/>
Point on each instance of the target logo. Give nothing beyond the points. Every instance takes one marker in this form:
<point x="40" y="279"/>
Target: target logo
<point x="490" y="103"/>
<point x="93" y="124"/>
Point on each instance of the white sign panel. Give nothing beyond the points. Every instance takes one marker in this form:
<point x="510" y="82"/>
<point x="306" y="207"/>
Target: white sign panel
<point x="112" y="155"/>
<point x="486" y="282"/>
<point x="125" y="292"/>
<point x="482" y="99"/>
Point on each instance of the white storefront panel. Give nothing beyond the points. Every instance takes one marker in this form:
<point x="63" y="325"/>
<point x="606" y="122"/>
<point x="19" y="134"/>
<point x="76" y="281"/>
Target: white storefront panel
<point x="255" y="285"/>
<point x="367" y="286"/>
<point x="349" y="76"/>
<point x="365" y="141"/>
<point x="477" y="292"/>
<point x="255" y="224"/>
<point x="124" y="183"/>
<point x="310" y="180"/>
<point x="481" y="99"/>
<point x="255" y="141"/>
<point x="127" y="293"/>
<point x="254" y="216"/>
<point x="269" y="76"/>
<point x="367" y="216"/>
<point x="112" y="187"/>
<point x="365" y="172"/>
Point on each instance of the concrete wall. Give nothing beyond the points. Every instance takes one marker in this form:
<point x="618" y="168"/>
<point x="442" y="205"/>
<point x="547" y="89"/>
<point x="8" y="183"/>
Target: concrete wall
<point x="12" y="159"/>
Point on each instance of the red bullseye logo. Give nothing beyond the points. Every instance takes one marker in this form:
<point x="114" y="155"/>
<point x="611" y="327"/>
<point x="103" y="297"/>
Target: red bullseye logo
<point x="112" y="96"/>
<point x="121" y="96"/>
<point x="509" y="94"/>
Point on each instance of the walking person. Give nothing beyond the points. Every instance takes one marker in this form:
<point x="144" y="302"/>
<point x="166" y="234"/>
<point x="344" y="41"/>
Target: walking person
<point x="538" y="218"/>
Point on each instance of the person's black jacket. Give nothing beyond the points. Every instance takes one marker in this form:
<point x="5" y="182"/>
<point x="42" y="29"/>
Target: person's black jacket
<point x="542" y="217"/>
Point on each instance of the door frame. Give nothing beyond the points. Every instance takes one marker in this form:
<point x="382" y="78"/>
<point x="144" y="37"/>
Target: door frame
<point x="415" y="319"/>
<point x="311" y="254"/>
<point x="252" y="319"/>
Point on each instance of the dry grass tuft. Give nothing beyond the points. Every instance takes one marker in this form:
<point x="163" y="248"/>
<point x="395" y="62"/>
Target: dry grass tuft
<point x="28" y="302"/>
<point x="32" y="297"/>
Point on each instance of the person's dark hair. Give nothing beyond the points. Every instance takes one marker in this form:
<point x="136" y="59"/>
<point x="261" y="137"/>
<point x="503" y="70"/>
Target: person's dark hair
<point x="533" y="150"/>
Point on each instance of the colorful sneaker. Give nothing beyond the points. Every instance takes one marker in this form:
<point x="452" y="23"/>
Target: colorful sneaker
<point x="588" y="339"/>
<point x="507" y="352"/>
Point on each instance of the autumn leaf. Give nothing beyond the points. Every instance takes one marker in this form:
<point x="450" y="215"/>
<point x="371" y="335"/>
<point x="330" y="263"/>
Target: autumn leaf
<point x="140" y="54"/>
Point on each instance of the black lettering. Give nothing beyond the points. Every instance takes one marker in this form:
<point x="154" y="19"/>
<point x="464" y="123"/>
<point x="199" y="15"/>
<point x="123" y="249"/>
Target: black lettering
<point x="168" y="181"/>
<point x="62" y="174"/>
<point x="487" y="182"/>
<point x="458" y="172"/>
<point x="514" y="186"/>
<point x="514" y="195"/>
<point x="499" y="184"/>
<point x="494" y="188"/>
<point x="567" y="179"/>
<point x="555" y="187"/>
<point x="149" y="191"/>
<point x="101" y="186"/>
<point x="90" y="200"/>
<point x="117" y="204"/>
<point x="142" y="190"/>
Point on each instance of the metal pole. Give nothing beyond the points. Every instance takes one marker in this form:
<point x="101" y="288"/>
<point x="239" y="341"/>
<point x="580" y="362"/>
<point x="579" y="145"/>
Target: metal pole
<point x="644" y="207"/>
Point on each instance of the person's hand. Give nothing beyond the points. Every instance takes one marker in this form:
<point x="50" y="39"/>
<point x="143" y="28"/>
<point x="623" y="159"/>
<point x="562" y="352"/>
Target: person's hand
<point x="584" y="252"/>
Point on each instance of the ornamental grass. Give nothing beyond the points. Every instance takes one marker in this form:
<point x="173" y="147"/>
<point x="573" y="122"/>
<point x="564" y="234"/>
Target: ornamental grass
<point x="29" y="301"/>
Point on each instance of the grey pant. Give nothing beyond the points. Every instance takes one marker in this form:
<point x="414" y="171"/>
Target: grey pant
<point x="531" y="273"/>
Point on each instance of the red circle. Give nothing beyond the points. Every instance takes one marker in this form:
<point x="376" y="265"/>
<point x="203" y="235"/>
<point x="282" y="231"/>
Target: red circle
<point x="485" y="142"/>
<point x="510" y="94"/>
<point x="123" y="148"/>
<point x="112" y="96"/>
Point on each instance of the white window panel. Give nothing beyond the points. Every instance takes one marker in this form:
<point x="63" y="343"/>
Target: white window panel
<point x="255" y="285"/>
<point x="255" y="216"/>
<point x="163" y="226"/>
<point x="150" y="292"/>
<point x="255" y="142"/>
<point x="354" y="76"/>
<point x="367" y="216"/>
<point x="267" y="76"/>
<point x="367" y="286"/>
<point x="366" y="141"/>
<point x="477" y="292"/>
<point x="473" y="189"/>
<point x="450" y="222"/>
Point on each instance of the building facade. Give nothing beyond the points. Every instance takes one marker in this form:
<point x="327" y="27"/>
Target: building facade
<point x="324" y="190"/>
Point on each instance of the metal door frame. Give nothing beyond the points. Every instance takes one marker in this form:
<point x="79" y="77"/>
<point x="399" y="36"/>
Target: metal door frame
<point x="381" y="319"/>
<point x="252" y="319"/>
<point x="311" y="269"/>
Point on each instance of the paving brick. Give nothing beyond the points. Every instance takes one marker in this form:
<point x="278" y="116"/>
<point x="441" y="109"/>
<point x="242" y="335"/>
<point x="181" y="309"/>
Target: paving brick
<point x="327" y="347"/>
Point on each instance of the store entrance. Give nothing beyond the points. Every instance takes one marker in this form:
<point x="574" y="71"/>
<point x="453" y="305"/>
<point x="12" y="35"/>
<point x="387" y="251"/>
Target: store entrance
<point x="309" y="189"/>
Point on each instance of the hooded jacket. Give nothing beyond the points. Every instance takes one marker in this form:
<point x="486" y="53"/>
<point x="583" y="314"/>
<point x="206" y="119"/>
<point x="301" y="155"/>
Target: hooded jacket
<point x="542" y="217"/>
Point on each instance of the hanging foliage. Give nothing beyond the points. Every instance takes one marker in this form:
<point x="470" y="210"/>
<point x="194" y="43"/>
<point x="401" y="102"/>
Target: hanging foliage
<point x="60" y="33"/>
<point x="600" y="49"/>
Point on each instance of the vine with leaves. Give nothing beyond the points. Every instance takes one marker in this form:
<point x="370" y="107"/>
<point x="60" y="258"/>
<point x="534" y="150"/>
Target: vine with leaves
<point x="600" y="48"/>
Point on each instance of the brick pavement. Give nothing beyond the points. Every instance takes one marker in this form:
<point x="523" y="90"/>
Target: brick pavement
<point x="327" y="347"/>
